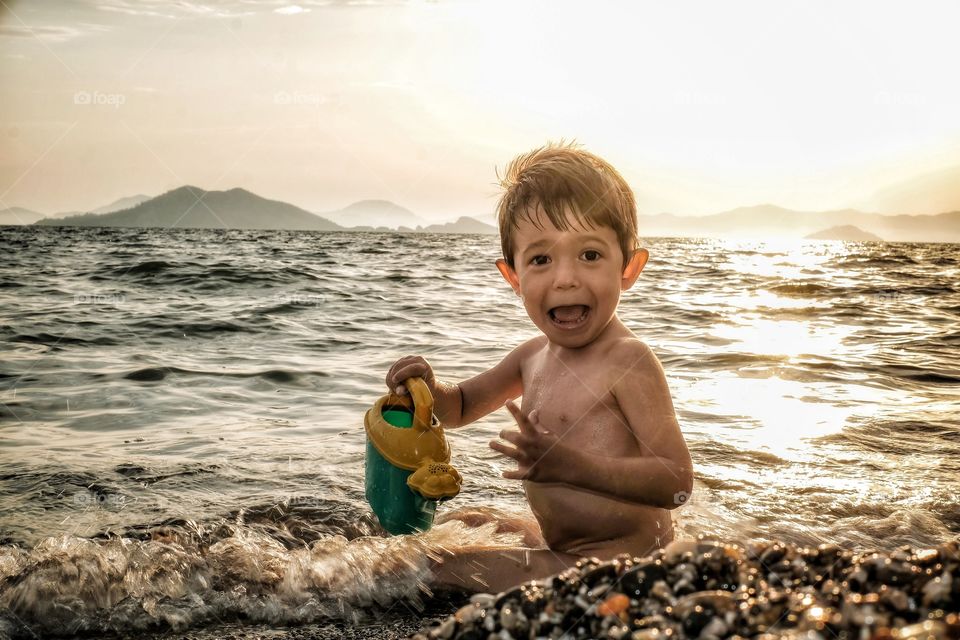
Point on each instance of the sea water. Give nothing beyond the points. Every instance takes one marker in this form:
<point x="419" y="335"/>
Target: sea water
<point x="181" y="435"/>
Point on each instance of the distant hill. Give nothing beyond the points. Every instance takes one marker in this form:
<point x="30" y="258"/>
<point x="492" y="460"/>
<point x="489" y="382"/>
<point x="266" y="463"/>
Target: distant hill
<point x="770" y="221"/>
<point x="846" y="232"/>
<point x="371" y="214"/>
<point x="19" y="215"/>
<point x="464" y="224"/>
<point x="121" y="204"/>
<point x="193" y="208"/>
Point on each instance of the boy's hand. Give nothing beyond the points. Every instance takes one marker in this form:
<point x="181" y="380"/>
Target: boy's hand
<point x="537" y="450"/>
<point x="408" y="367"/>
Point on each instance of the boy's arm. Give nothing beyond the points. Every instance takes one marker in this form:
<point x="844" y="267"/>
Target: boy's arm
<point x="458" y="404"/>
<point x="487" y="391"/>
<point x="662" y="476"/>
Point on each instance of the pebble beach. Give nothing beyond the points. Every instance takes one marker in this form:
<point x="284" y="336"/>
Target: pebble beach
<point x="710" y="590"/>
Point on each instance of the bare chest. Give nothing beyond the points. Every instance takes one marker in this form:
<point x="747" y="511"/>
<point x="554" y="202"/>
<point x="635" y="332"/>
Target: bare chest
<point x="577" y="403"/>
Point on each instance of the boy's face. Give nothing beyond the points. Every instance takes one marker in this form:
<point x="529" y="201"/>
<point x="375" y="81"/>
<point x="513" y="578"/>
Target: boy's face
<point x="570" y="281"/>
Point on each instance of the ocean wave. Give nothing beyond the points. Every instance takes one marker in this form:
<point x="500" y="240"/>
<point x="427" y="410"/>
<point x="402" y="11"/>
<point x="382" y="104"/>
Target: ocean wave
<point x="55" y="341"/>
<point x="722" y="360"/>
<point x="176" y="329"/>
<point x="200" y="275"/>
<point x="896" y="437"/>
<point x="280" y="376"/>
<point x="893" y="293"/>
<point x="714" y="452"/>
<point x="804" y="289"/>
<point x="150" y="476"/>
<point x="915" y="373"/>
<point x="860" y="526"/>
<point x="884" y="259"/>
<point x="176" y="579"/>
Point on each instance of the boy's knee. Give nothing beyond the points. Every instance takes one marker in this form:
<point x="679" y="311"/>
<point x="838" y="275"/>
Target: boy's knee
<point x="494" y="570"/>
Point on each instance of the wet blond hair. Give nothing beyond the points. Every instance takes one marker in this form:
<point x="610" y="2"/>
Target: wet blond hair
<point x="562" y="176"/>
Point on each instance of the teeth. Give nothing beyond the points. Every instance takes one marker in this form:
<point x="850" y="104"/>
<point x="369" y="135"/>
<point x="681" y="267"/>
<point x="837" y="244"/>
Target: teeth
<point x="583" y="315"/>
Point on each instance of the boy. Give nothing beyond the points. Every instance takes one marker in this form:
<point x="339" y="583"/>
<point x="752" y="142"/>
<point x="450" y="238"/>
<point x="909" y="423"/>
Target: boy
<point x="598" y="447"/>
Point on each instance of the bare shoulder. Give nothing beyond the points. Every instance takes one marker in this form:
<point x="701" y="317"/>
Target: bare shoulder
<point x="631" y="358"/>
<point x="637" y="377"/>
<point x="531" y="347"/>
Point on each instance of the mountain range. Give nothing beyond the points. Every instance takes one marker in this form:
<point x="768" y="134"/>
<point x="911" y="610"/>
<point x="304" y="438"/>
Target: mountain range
<point x="770" y="221"/>
<point x="369" y="215"/>
<point x="21" y="216"/>
<point x="192" y="207"/>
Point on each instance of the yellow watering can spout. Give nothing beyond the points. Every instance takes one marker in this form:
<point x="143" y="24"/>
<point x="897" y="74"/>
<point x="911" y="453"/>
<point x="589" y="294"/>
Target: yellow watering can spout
<point x="435" y="480"/>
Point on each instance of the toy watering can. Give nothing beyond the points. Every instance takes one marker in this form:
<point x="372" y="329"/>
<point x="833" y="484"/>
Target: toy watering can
<point x="407" y="465"/>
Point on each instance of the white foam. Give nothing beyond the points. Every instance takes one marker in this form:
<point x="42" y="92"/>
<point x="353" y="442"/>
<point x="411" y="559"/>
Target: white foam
<point x="71" y="584"/>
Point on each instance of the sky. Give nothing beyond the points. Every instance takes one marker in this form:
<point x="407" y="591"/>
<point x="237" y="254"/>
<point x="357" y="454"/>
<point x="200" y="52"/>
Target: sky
<point x="702" y="106"/>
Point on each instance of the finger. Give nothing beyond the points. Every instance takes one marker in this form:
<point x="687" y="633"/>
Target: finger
<point x="510" y="452"/>
<point x="537" y="425"/>
<point x="407" y="372"/>
<point x="534" y="419"/>
<point x="513" y="437"/>
<point x="393" y="379"/>
<point x="514" y="475"/>
<point x="522" y="422"/>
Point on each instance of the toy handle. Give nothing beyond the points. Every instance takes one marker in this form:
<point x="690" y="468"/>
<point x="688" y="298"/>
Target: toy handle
<point x="422" y="402"/>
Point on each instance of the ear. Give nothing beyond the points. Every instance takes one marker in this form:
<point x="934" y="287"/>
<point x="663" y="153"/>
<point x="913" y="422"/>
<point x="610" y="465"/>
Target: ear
<point x="632" y="271"/>
<point x="509" y="274"/>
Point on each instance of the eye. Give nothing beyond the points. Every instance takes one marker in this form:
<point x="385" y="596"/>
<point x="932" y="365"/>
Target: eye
<point x="536" y="260"/>
<point x="591" y="255"/>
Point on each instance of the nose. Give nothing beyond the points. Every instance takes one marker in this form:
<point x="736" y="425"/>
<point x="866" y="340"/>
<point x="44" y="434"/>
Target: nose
<point x="565" y="275"/>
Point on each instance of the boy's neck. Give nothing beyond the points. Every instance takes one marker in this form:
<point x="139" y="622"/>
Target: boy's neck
<point x="614" y="331"/>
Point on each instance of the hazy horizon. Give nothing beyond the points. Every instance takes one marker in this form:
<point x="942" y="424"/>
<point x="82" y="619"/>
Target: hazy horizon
<point x="321" y="104"/>
<point x="451" y="216"/>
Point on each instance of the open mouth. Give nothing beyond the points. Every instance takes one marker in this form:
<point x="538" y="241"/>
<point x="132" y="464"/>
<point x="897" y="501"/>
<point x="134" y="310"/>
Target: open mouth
<point x="569" y="317"/>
